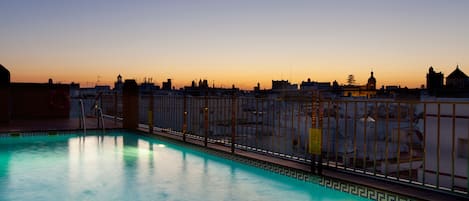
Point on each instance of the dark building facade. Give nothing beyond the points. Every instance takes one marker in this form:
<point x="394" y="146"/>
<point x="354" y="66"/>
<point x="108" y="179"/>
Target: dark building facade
<point x="457" y="80"/>
<point x="312" y="85"/>
<point x="202" y="89"/>
<point x="37" y="100"/>
<point x="283" y="85"/>
<point x="434" y="79"/>
<point x="167" y="85"/>
<point x="4" y="94"/>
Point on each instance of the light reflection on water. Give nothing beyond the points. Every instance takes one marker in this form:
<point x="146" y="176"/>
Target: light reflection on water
<point x="128" y="167"/>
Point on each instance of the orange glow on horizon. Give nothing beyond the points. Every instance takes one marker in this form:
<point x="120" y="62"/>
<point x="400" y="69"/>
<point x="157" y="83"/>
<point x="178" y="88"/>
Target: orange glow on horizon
<point x="243" y="78"/>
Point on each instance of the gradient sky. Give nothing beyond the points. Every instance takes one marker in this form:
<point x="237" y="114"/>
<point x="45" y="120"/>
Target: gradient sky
<point x="239" y="42"/>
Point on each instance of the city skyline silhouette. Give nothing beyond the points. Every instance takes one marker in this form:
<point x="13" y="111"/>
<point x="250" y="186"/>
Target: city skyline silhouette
<point x="241" y="43"/>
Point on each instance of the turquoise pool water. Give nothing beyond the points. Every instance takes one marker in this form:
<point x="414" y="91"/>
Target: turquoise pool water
<point x="125" y="166"/>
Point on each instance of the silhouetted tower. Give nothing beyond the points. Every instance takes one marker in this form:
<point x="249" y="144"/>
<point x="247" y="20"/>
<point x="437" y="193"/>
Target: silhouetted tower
<point x="204" y="84"/>
<point x="434" y="79"/>
<point x="371" y="84"/>
<point x="258" y="87"/>
<point x="167" y="85"/>
<point x="118" y="84"/>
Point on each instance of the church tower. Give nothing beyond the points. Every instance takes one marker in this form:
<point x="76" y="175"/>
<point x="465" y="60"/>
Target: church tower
<point x="118" y="85"/>
<point x="371" y="85"/>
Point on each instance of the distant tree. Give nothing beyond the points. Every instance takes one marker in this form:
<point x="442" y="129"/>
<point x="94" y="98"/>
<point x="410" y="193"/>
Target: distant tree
<point x="351" y="79"/>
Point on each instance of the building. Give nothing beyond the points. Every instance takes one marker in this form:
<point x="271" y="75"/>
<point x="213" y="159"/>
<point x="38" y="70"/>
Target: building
<point x="74" y="90"/>
<point x="371" y="84"/>
<point x="118" y="84"/>
<point x="92" y="92"/>
<point x="202" y="89"/>
<point x="258" y="87"/>
<point x="457" y="80"/>
<point x="312" y="85"/>
<point x="366" y="91"/>
<point x="283" y="85"/>
<point x="434" y="79"/>
<point x="167" y="85"/>
<point x="148" y="87"/>
<point x="4" y="92"/>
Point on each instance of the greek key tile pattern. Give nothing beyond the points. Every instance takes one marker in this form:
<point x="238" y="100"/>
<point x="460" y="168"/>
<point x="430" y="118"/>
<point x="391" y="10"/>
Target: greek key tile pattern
<point x="361" y="191"/>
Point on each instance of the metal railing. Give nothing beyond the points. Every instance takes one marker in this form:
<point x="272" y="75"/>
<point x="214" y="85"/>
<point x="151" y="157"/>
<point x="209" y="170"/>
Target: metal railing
<point x="420" y="143"/>
<point x="82" y="118"/>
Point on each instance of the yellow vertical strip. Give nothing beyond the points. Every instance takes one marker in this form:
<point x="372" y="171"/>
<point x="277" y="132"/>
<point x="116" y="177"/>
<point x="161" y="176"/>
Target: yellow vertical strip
<point x="315" y="141"/>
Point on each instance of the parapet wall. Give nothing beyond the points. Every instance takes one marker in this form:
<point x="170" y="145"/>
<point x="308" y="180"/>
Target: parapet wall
<point x="33" y="100"/>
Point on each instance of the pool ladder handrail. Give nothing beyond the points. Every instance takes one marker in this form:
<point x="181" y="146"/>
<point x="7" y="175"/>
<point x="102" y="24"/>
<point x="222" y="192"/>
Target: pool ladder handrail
<point x="100" y="117"/>
<point x="99" y="111"/>
<point x="82" y="119"/>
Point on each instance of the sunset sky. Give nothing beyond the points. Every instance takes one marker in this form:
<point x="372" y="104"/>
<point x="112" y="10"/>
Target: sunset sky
<point x="239" y="42"/>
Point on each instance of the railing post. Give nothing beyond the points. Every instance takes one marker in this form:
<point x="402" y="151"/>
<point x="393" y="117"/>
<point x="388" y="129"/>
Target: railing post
<point x="438" y="146"/>
<point x="150" y="114"/>
<point x="233" y="123"/>
<point x="80" y="121"/>
<point x="206" y="121"/>
<point x="320" y="126"/>
<point x="313" y="126"/>
<point x="424" y="136"/>
<point x="453" y="146"/>
<point x="115" y="107"/>
<point x="184" y="126"/>
<point x="315" y="135"/>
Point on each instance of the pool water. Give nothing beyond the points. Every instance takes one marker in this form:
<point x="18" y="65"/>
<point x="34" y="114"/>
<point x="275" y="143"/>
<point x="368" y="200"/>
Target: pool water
<point x="126" y="166"/>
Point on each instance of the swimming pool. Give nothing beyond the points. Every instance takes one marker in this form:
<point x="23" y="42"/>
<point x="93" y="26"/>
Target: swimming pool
<point x="126" y="166"/>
